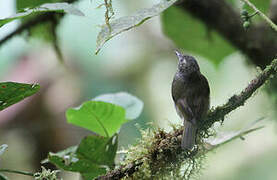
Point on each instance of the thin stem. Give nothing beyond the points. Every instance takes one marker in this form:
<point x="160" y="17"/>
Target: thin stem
<point x="108" y="5"/>
<point x="252" y="15"/>
<point x="267" y="20"/>
<point x="17" y="172"/>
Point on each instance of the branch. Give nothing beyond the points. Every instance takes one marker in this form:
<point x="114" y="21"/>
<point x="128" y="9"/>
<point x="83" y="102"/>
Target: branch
<point x="123" y="171"/>
<point x="27" y="25"/>
<point x="272" y="11"/>
<point x="238" y="100"/>
<point x="48" y="16"/>
<point x="164" y="149"/>
<point x="267" y="20"/>
<point x="259" y="42"/>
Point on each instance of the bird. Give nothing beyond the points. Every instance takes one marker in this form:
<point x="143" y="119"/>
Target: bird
<point x="191" y="95"/>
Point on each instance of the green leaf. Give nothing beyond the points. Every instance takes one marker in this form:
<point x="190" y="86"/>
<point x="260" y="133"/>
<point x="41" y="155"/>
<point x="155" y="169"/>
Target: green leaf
<point x="67" y="152"/>
<point x="82" y="166"/>
<point x="132" y="105"/>
<point x="190" y="34"/>
<point x="3" y="177"/>
<point x="99" y="150"/>
<point x="44" y="31"/>
<point x="100" y="117"/>
<point x="22" y="4"/>
<point x="92" y="158"/>
<point x="47" y="7"/>
<point x="233" y="2"/>
<point x="128" y="22"/>
<point x="12" y="92"/>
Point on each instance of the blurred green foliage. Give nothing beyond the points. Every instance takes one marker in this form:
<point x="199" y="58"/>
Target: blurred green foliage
<point x="95" y="154"/>
<point x="263" y="166"/>
<point x="43" y="30"/>
<point x="190" y="34"/>
<point x="261" y="5"/>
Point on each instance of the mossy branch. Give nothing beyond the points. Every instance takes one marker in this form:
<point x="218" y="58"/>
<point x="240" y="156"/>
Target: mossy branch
<point x="236" y="101"/>
<point x="161" y="152"/>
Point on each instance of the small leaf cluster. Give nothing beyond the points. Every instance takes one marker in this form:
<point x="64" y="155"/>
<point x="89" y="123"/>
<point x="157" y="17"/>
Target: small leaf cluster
<point x="103" y="115"/>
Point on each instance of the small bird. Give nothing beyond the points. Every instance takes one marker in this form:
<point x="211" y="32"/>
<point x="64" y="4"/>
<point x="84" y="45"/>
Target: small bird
<point x="191" y="94"/>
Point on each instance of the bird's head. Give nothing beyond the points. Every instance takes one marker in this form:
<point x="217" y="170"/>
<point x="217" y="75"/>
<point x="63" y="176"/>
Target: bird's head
<point x="187" y="63"/>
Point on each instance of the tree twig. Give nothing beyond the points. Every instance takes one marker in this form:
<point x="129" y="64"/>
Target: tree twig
<point x="238" y="100"/>
<point x="272" y="11"/>
<point x="259" y="42"/>
<point x="33" y="22"/>
<point x="123" y="171"/>
<point x="166" y="146"/>
<point x="267" y="20"/>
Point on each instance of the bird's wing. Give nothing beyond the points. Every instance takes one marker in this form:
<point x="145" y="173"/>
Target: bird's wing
<point x="184" y="108"/>
<point x="199" y="101"/>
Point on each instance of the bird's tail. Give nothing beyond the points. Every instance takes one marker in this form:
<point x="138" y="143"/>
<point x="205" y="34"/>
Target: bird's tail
<point x="189" y="133"/>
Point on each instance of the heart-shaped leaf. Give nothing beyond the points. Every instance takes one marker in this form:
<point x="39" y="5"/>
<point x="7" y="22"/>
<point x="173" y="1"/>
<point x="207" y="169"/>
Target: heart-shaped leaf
<point x="132" y="105"/>
<point x="100" y="117"/>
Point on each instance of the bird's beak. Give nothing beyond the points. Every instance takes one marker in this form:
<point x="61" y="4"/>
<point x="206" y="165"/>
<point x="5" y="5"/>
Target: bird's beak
<point x="179" y="55"/>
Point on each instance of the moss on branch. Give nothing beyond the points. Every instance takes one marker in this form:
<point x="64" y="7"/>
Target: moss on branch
<point x="159" y="154"/>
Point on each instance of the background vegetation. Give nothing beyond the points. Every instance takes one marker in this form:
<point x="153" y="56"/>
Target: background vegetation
<point x="59" y="55"/>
